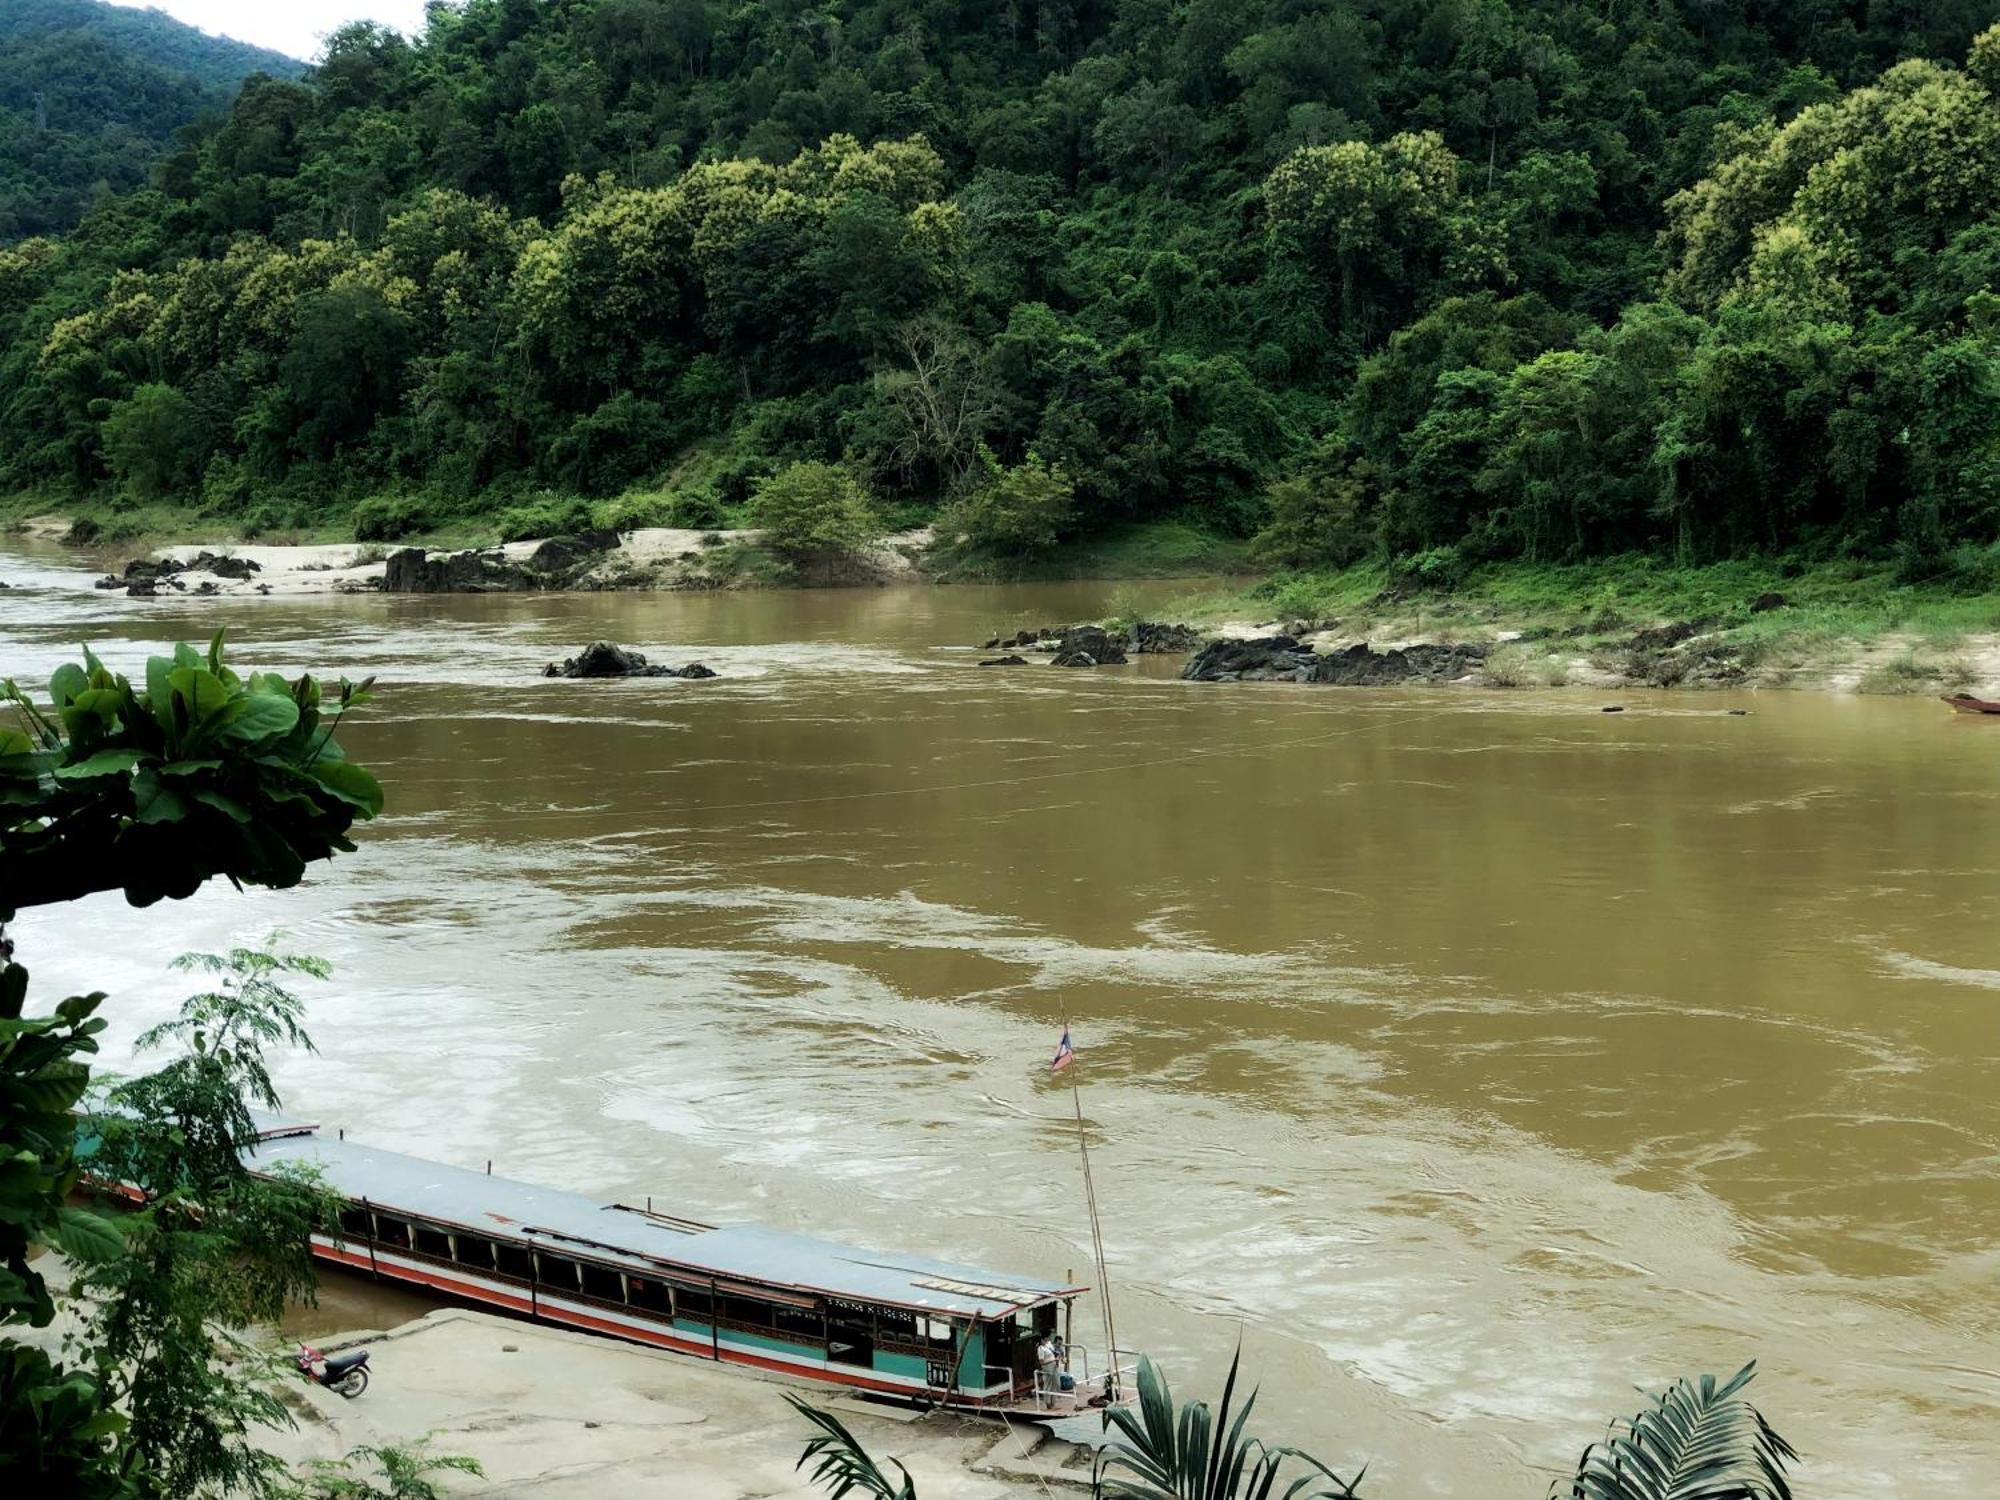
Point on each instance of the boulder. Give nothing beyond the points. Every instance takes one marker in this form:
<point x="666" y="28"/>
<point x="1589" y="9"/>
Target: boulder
<point x="141" y="588"/>
<point x="1269" y="658"/>
<point x="603" y="659"/>
<point x="1363" y="666"/>
<point x="1663" y="637"/>
<point x="1074" y="659"/>
<point x="561" y="554"/>
<point x="1102" y="647"/>
<point x="1005" y="661"/>
<point x="1149" y="637"/>
<point x="412" y="570"/>
<point x="1763" y="604"/>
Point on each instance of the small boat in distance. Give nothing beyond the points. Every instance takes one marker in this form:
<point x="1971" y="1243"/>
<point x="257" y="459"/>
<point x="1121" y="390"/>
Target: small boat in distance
<point x="1965" y="703"/>
<point x="899" y="1326"/>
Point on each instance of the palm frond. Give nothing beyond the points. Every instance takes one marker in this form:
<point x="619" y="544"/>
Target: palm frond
<point x="841" y="1465"/>
<point x="1699" y="1440"/>
<point x="1199" y="1455"/>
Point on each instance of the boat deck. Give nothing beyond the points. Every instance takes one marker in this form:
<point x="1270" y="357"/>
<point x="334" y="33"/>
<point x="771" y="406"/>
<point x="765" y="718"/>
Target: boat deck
<point x="635" y="1239"/>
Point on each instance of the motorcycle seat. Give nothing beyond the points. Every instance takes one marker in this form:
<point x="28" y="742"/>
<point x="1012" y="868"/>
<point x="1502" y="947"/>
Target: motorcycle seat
<point x="339" y="1364"/>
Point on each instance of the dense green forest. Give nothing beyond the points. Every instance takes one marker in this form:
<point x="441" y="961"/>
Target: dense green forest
<point x="1435" y="280"/>
<point x="91" y="96"/>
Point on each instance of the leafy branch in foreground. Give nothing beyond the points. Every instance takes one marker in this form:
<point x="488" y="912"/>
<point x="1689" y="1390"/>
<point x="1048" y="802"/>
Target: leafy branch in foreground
<point x="154" y="791"/>
<point x="399" y="1474"/>
<point x="1697" y="1441"/>
<point x="843" y="1465"/>
<point x="1196" y="1456"/>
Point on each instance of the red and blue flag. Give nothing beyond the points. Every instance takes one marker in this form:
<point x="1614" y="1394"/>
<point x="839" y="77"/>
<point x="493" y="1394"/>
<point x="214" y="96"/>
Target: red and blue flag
<point x="1065" y="1053"/>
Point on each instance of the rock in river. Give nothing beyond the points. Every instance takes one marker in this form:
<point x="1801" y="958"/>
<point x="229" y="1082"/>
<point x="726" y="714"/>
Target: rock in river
<point x="1089" y="646"/>
<point x="1281" y="658"/>
<point x="602" y="659"/>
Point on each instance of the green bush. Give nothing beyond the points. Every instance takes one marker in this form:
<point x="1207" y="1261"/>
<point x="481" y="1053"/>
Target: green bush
<point x="386" y="518"/>
<point x="545" y="517"/>
<point x="1019" y="512"/>
<point x="813" y="512"/>
<point x="155" y="442"/>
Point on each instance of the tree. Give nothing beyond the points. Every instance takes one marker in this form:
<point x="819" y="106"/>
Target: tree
<point x="1021" y="511"/>
<point x="1696" y="1440"/>
<point x="212" y="1249"/>
<point x="154" y="442"/>
<point x="813" y="514"/>
<point x="152" y="793"/>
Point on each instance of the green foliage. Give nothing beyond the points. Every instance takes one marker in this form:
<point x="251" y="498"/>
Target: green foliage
<point x="384" y="1473"/>
<point x="213" y="1248"/>
<point x="387" y="518"/>
<point x="842" y="1465"/>
<point x="1697" y="1441"/>
<point x="153" y="791"/>
<point x="1022" y="511"/>
<point x="1554" y="279"/>
<point x="545" y="517"/>
<point x="813" y="512"/>
<point x="1159" y="1453"/>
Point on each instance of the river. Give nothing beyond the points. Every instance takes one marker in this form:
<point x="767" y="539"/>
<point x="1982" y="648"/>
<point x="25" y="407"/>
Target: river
<point x="1473" y="1057"/>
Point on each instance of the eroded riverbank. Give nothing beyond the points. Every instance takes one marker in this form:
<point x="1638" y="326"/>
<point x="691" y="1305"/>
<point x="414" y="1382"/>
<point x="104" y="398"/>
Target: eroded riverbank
<point x="1472" y="1056"/>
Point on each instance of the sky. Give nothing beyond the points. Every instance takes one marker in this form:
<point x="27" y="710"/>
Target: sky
<point x="294" y="26"/>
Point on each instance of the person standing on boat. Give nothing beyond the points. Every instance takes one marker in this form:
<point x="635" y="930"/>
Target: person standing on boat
<point x="1048" y="1367"/>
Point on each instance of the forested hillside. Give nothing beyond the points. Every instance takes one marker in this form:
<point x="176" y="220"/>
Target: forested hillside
<point x="1440" y="281"/>
<point x="90" y="96"/>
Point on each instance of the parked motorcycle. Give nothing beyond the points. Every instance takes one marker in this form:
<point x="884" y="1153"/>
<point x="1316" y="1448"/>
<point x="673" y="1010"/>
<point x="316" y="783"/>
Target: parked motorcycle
<point x="346" y="1373"/>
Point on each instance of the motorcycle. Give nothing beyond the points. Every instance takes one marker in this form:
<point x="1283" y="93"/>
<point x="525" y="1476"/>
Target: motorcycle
<point x="345" y="1373"/>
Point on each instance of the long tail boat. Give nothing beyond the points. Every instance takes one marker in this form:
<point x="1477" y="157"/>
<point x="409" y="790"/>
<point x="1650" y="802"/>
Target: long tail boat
<point x="1965" y="703"/>
<point x="896" y="1325"/>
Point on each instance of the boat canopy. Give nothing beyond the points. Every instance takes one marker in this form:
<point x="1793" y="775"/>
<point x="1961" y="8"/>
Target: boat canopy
<point x="641" y="1240"/>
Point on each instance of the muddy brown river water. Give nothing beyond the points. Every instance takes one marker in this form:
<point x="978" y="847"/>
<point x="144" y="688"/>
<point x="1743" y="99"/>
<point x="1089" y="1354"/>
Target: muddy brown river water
<point x="1473" y="1057"/>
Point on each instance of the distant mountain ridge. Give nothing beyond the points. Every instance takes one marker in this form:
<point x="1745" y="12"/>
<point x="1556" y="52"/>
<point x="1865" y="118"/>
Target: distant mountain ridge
<point x="92" y="93"/>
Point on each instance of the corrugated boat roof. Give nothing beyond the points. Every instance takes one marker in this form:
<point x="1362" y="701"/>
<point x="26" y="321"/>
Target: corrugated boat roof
<point x="636" y="1240"/>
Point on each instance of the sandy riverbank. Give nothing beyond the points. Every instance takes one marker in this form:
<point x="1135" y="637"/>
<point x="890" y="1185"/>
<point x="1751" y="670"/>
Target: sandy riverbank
<point x="564" y="1416"/>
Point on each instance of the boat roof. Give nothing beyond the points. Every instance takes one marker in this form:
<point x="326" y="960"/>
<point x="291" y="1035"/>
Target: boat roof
<point x="642" y="1240"/>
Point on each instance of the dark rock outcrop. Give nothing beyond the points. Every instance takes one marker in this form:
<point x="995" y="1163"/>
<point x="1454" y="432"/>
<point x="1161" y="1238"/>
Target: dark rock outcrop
<point x="1763" y="604"/>
<point x="1150" y="637"/>
<point x="565" y="553"/>
<point x="1362" y="666"/>
<point x="1089" y="646"/>
<point x="1663" y="637"/>
<point x="412" y="570"/>
<point x="1281" y="658"/>
<point x="557" y="563"/>
<point x="1005" y="661"/>
<point x="143" y="575"/>
<point x="1270" y="658"/>
<point x="603" y="659"/>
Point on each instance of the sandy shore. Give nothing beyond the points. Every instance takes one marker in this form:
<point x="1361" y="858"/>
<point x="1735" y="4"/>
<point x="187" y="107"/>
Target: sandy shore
<point x="549" y="1413"/>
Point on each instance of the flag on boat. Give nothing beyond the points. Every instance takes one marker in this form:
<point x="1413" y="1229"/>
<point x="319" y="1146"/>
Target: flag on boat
<point x="1065" y="1053"/>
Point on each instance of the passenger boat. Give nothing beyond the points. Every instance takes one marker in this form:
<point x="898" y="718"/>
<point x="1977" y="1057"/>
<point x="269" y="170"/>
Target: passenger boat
<point x="895" y="1325"/>
<point x="1965" y="703"/>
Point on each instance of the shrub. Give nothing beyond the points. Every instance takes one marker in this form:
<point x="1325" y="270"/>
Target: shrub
<point x="813" y="512"/>
<point x="1017" y="512"/>
<point x="155" y="441"/>
<point x="546" y="516"/>
<point x="386" y="518"/>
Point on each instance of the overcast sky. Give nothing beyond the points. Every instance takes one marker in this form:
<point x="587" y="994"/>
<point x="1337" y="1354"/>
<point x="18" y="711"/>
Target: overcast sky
<point x="294" y="26"/>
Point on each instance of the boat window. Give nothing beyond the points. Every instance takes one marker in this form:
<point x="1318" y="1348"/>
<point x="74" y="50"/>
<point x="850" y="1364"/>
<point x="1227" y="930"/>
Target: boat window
<point x="557" y="1270"/>
<point x="473" y="1250"/>
<point x="896" y="1323"/>
<point x="433" y="1242"/>
<point x="649" y="1296"/>
<point x="1045" y="1319"/>
<point x="746" y="1310"/>
<point x="691" y="1303"/>
<point x="603" y="1283"/>
<point x="513" y="1260"/>
<point x="800" y="1323"/>
<point x="1025" y="1321"/>
<point x="392" y="1231"/>
<point x="940" y="1332"/>
<point x="355" y="1225"/>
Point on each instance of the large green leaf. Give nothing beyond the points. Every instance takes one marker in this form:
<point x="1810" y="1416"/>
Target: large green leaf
<point x="66" y="682"/>
<point x="263" y="716"/>
<point x="154" y="802"/>
<point x="87" y="1236"/>
<point x="103" y="763"/>
<point x="350" y="783"/>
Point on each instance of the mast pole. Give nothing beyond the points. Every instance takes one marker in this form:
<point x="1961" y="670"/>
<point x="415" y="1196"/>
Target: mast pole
<point x="1096" y="1239"/>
